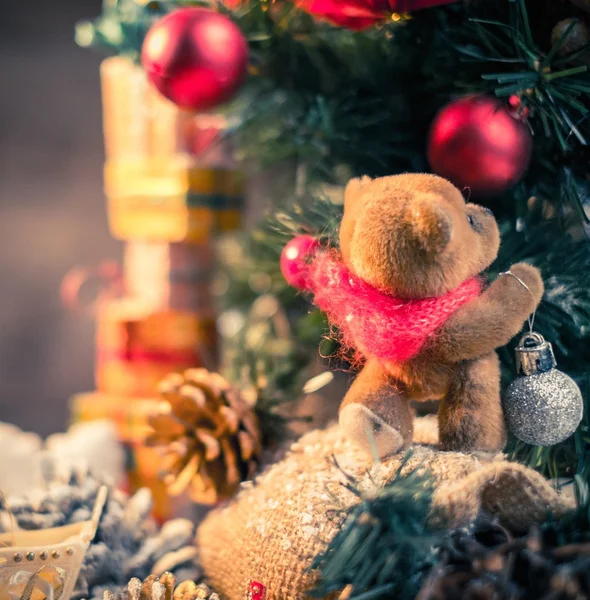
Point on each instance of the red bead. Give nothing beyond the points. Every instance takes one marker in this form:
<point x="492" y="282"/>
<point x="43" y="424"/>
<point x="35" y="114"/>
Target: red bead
<point x="256" y="590"/>
<point x="518" y="109"/>
<point x="294" y="258"/>
<point x="196" y="57"/>
<point x="479" y="143"/>
<point x="515" y="102"/>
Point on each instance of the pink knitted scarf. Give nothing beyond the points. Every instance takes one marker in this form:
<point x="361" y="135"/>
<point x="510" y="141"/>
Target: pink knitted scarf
<point x="374" y="322"/>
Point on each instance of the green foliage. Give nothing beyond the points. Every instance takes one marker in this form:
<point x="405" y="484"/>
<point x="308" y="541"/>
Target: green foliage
<point x="563" y="317"/>
<point x="509" y="60"/>
<point x="121" y="27"/>
<point x="267" y="361"/>
<point x="385" y="546"/>
<point x="343" y="103"/>
<point x="572" y="528"/>
<point x="280" y="336"/>
<point x="346" y="103"/>
<point x="255" y="271"/>
<point x="261" y="249"/>
<point x="344" y="100"/>
<point x="338" y="104"/>
<point x="545" y="80"/>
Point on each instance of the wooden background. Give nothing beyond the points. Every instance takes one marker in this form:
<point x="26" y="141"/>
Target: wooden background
<point x="52" y="214"/>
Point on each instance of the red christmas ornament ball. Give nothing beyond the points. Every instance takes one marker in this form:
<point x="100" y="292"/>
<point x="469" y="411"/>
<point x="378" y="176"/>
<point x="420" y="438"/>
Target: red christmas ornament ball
<point x="361" y="14"/>
<point x="480" y="143"/>
<point x="294" y="258"/>
<point x="196" y="57"/>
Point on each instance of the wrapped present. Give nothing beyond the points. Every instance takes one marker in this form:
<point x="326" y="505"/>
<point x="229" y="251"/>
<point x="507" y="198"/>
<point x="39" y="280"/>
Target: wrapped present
<point x="163" y="294"/>
<point x="138" y="122"/>
<point x="137" y="347"/>
<point x="172" y="199"/>
<point x="130" y="416"/>
<point x="134" y="219"/>
<point x="143" y="473"/>
<point x="130" y="328"/>
<point x="170" y="276"/>
<point x="170" y="174"/>
<point x="138" y="376"/>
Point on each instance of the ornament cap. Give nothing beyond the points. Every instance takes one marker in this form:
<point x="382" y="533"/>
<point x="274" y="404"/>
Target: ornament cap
<point x="534" y="355"/>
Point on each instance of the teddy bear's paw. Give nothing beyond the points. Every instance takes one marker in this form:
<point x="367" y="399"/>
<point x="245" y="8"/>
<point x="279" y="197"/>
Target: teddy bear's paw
<point x="368" y="431"/>
<point x="531" y="278"/>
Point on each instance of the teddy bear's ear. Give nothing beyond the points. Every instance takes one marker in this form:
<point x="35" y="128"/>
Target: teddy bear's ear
<point x="430" y="222"/>
<point x="354" y="188"/>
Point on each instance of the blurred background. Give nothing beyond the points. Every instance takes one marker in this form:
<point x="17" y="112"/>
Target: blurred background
<point x="52" y="208"/>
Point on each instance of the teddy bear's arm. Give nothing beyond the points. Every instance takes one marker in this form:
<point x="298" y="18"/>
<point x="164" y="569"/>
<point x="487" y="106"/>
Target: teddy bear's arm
<point x="493" y="318"/>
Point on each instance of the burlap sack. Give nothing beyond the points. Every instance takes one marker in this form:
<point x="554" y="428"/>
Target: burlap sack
<point x="275" y="527"/>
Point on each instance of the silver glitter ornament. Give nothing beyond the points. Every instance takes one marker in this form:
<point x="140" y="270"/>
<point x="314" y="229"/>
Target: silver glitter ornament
<point x="542" y="406"/>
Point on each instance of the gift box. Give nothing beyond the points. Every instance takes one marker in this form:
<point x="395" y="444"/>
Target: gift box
<point x="170" y="276"/>
<point x="130" y="417"/>
<point x="137" y="377"/>
<point x="170" y="174"/>
<point x="137" y="347"/>
<point x="144" y="472"/>
<point x="131" y="328"/>
<point x="171" y="200"/>
<point x="138" y="122"/>
<point x="163" y="294"/>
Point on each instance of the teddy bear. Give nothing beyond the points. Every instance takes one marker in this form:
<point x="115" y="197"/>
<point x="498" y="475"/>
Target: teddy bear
<point x="406" y="291"/>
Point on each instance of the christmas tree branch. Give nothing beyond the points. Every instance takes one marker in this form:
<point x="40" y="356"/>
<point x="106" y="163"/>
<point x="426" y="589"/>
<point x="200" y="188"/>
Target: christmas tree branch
<point x="385" y="545"/>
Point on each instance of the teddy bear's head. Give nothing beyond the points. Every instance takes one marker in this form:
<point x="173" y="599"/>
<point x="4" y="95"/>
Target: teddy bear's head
<point x="415" y="235"/>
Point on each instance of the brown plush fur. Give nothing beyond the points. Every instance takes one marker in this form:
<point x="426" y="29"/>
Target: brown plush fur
<point x="416" y="236"/>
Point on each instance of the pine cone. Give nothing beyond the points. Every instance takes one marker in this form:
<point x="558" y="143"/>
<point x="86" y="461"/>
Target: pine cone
<point x="211" y="436"/>
<point x="162" y="588"/>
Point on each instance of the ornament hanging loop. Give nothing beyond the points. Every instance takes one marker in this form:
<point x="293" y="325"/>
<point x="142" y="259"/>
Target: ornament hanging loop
<point x="532" y="340"/>
<point x="534" y="355"/>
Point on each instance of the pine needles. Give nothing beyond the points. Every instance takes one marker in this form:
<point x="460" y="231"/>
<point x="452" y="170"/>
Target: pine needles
<point x="385" y="546"/>
<point x="548" y="83"/>
<point x="337" y="103"/>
